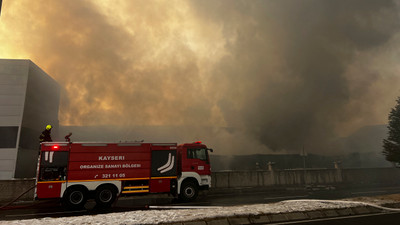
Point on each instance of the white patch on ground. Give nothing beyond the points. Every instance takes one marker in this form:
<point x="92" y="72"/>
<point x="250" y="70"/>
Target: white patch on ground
<point x="373" y="200"/>
<point x="174" y="215"/>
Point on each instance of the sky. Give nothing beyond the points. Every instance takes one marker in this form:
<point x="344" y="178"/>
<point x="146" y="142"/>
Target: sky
<point x="277" y="74"/>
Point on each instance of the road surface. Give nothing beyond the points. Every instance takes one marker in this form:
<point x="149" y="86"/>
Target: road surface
<point x="52" y="208"/>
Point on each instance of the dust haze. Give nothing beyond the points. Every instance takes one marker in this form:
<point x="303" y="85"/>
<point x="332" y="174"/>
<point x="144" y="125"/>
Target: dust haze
<point x="243" y="76"/>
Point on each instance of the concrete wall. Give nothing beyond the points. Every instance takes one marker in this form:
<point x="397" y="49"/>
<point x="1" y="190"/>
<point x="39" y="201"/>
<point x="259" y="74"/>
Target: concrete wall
<point x="288" y="178"/>
<point x="11" y="189"/>
<point x="367" y="176"/>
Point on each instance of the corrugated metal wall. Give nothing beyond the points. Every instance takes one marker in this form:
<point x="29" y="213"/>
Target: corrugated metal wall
<point x="13" y="83"/>
<point x="29" y="100"/>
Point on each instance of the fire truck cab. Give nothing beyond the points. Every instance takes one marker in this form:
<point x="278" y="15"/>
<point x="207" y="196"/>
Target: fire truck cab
<point x="78" y="171"/>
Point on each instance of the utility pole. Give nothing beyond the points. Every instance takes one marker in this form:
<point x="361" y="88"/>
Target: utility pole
<point x="304" y="158"/>
<point x="304" y="154"/>
<point x="1" y="2"/>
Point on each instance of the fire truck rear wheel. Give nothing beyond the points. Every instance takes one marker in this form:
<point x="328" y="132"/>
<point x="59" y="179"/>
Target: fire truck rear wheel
<point x="74" y="198"/>
<point x="105" y="196"/>
<point x="189" y="191"/>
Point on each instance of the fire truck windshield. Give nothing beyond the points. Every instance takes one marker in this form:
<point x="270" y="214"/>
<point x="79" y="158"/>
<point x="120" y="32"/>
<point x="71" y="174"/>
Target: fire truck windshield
<point x="53" y="166"/>
<point x="197" y="153"/>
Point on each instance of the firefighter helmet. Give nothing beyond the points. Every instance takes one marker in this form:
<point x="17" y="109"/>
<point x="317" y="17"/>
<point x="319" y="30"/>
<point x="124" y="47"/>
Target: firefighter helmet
<point x="48" y="127"/>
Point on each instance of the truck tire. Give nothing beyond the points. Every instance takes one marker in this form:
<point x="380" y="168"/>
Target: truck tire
<point x="74" y="198"/>
<point x="189" y="191"/>
<point x="105" y="196"/>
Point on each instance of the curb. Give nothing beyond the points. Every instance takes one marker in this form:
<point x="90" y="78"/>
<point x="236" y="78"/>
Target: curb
<point x="283" y="217"/>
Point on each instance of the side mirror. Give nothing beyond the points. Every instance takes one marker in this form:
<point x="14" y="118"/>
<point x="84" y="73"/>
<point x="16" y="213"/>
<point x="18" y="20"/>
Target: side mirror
<point x="210" y="149"/>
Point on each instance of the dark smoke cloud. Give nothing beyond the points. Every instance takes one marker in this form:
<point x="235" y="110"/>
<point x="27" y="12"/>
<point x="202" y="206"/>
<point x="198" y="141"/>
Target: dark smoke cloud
<point x="268" y="75"/>
<point x="289" y="60"/>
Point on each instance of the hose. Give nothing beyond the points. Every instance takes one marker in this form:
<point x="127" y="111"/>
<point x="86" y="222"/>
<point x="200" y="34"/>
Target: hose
<point x="9" y="203"/>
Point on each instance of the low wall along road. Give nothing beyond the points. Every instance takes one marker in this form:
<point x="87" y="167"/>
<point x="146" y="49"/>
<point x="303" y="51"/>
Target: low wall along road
<point x="10" y="189"/>
<point x="289" y="178"/>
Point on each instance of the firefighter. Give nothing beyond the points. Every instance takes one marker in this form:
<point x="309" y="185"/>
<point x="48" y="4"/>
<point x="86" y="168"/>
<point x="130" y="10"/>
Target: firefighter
<point x="46" y="135"/>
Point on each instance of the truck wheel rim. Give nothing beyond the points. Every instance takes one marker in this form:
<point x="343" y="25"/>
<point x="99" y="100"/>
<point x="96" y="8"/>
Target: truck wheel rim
<point x="105" y="196"/>
<point x="189" y="192"/>
<point x="76" y="197"/>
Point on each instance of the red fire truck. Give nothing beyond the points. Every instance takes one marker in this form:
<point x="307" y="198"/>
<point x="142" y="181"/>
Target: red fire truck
<point x="77" y="171"/>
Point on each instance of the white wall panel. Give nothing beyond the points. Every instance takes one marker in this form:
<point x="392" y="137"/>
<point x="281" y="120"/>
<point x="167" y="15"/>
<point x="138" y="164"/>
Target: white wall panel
<point x="10" y="111"/>
<point x="7" y="164"/>
<point x="8" y="153"/>
<point x="14" y="79"/>
<point x="12" y="89"/>
<point x="6" y="175"/>
<point x="12" y="100"/>
<point x="10" y="121"/>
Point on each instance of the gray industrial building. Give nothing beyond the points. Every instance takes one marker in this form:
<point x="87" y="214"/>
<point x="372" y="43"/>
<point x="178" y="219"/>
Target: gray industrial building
<point x="29" y="100"/>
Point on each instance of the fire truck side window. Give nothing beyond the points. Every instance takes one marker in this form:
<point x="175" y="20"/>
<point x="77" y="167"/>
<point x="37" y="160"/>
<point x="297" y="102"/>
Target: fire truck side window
<point x="200" y="153"/>
<point x="53" y="166"/>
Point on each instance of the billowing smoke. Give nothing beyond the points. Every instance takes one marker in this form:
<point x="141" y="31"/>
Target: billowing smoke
<point x="286" y="74"/>
<point x="278" y="74"/>
<point x="130" y="65"/>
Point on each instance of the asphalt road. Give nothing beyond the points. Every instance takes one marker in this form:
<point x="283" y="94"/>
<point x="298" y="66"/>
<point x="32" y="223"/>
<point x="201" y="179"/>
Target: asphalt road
<point x="52" y="208"/>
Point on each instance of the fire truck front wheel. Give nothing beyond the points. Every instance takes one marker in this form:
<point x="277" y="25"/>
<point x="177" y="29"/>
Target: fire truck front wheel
<point x="74" y="198"/>
<point x="189" y="191"/>
<point x="105" y="196"/>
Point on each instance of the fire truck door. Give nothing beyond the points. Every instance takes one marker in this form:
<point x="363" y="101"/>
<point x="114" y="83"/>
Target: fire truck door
<point x="197" y="161"/>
